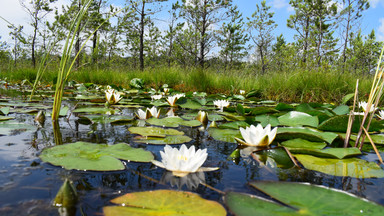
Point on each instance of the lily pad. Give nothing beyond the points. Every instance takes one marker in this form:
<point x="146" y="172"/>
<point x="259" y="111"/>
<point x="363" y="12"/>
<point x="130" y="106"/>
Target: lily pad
<point x="244" y="205"/>
<point x="301" y="143"/>
<point x="295" y="118"/>
<point x="4" y="110"/>
<point x="173" y="122"/>
<point x="284" y="107"/>
<point x="164" y="202"/>
<point x="188" y="104"/>
<point x="154" y="131"/>
<point x="267" y="119"/>
<point x="14" y="127"/>
<point x="288" y="133"/>
<point x="263" y="110"/>
<point x="340" y="124"/>
<point x="98" y="157"/>
<point x="338" y="153"/>
<point x="5" y="118"/>
<point x="215" y="117"/>
<point x="100" y="110"/>
<point x="325" y="202"/>
<point x="226" y="135"/>
<point x="234" y="125"/>
<point x="170" y="140"/>
<point x="352" y="167"/>
<point x="341" y="110"/>
<point x="105" y="119"/>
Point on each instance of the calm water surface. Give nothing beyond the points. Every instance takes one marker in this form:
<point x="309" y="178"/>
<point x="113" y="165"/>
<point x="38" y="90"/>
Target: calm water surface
<point x="28" y="185"/>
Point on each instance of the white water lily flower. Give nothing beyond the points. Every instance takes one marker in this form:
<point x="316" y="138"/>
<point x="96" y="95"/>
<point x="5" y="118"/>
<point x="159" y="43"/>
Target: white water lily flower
<point x="156" y="97"/>
<point x="143" y="115"/>
<point x="112" y="96"/>
<point x="166" y="90"/>
<point x="364" y="106"/>
<point x="154" y="112"/>
<point x="184" y="161"/>
<point x="257" y="136"/>
<point x="221" y="104"/>
<point x="381" y="114"/>
<point x="242" y="92"/>
<point x="170" y="112"/>
<point x="172" y="100"/>
<point x="178" y="96"/>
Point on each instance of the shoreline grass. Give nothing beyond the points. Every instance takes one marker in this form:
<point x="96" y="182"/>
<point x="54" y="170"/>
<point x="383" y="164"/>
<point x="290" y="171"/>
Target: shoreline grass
<point x="296" y="86"/>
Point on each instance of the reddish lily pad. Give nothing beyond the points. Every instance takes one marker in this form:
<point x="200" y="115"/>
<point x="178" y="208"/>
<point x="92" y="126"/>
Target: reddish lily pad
<point x="164" y="202"/>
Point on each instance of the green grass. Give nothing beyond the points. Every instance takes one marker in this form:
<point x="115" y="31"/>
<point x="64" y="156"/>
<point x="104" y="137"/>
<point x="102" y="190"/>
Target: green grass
<point x="296" y="86"/>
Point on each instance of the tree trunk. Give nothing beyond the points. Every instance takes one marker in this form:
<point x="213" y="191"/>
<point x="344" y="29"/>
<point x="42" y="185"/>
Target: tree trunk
<point x="141" y="48"/>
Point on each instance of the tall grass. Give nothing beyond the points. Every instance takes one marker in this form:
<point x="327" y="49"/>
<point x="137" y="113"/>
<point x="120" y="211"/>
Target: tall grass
<point x="290" y="86"/>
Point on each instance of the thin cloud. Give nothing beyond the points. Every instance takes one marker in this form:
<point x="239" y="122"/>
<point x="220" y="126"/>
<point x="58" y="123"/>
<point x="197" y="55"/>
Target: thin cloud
<point x="380" y="35"/>
<point x="278" y="4"/>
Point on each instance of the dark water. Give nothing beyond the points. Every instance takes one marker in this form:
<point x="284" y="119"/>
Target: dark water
<point x="28" y="185"/>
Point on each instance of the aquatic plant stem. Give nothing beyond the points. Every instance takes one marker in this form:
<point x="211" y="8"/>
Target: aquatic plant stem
<point x="374" y="146"/>
<point x="351" y="116"/>
<point x="291" y="157"/>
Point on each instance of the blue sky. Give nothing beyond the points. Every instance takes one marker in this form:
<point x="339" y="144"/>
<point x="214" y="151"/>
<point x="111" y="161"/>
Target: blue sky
<point x="373" y="18"/>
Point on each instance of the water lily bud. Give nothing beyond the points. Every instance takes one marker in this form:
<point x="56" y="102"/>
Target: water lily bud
<point x="40" y="117"/>
<point x="202" y="117"/>
<point x="66" y="196"/>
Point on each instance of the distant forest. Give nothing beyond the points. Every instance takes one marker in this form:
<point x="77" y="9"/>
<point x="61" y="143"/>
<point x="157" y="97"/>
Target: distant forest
<point x="199" y="34"/>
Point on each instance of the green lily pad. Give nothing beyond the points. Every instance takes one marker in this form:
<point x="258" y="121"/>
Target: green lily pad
<point x="225" y="135"/>
<point x="234" y="125"/>
<point x="154" y="131"/>
<point x="295" y="118"/>
<point x="288" y="133"/>
<point x="13" y="127"/>
<point x="100" y="110"/>
<point x="163" y="202"/>
<point x="215" y="117"/>
<point x="188" y="104"/>
<point x="340" y="124"/>
<point x="231" y="117"/>
<point x="303" y="144"/>
<point x="284" y="107"/>
<point x="304" y="107"/>
<point x="338" y="153"/>
<point x="4" y="110"/>
<point x="267" y="119"/>
<point x="6" y="118"/>
<point x="105" y="119"/>
<point x="313" y="200"/>
<point x="98" y="157"/>
<point x="347" y="97"/>
<point x="244" y="205"/>
<point x="63" y="111"/>
<point x="263" y="110"/>
<point x="159" y="103"/>
<point x="173" y="122"/>
<point x="352" y="167"/>
<point x="341" y="110"/>
<point x="170" y="140"/>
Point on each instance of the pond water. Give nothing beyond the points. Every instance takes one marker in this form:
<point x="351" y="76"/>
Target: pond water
<point x="28" y="186"/>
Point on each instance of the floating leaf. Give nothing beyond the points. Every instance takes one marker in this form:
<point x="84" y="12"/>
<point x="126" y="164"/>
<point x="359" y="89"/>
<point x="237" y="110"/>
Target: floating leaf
<point x="314" y="200"/>
<point x="263" y="110"/>
<point x="304" y="107"/>
<point x="267" y="119"/>
<point x="305" y="144"/>
<point x="226" y="135"/>
<point x="234" y="125"/>
<point x="63" y="111"/>
<point x="340" y="124"/>
<point x="154" y="131"/>
<point x="13" y="127"/>
<point x="98" y="157"/>
<point x="215" y="117"/>
<point x="284" y="107"/>
<point x="188" y="104"/>
<point x="288" y="133"/>
<point x="347" y="97"/>
<point x="244" y="205"/>
<point x="338" y="153"/>
<point x="6" y="118"/>
<point x="352" y="167"/>
<point x="173" y="121"/>
<point x="164" y="202"/>
<point x="295" y="118"/>
<point x="4" y="110"/>
<point x="105" y="119"/>
<point x="240" y="109"/>
<point x="170" y="140"/>
<point x="101" y="110"/>
<point x="341" y="110"/>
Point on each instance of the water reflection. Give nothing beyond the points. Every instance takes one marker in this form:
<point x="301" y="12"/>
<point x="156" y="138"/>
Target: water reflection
<point x="191" y="180"/>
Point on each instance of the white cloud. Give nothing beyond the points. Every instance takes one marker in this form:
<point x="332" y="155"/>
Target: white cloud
<point x="278" y="4"/>
<point x="374" y="3"/>
<point x="380" y="30"/>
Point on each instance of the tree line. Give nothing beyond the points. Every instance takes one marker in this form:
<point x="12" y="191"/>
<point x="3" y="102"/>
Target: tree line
<point x="199" y="33"/>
